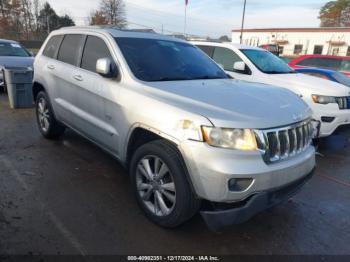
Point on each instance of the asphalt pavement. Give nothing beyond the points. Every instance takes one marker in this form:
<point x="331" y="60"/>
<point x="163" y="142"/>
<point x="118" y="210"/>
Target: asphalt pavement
<point x="70" y="197"/>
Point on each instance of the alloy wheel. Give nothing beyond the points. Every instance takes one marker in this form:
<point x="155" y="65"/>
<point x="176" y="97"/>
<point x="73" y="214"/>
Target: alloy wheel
<point x="43" y="114"/>
<point x="155" y="185"/>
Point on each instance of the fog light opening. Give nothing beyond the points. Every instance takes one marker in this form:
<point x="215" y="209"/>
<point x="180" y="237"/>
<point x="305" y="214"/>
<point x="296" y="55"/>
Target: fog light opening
<point x="327" y="119"/>
<point x="239" y="184"/>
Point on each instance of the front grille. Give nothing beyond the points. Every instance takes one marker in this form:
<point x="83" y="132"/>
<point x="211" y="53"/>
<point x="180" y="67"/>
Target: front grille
<point x="279" y="144"/>
<point x="343" y="102"/>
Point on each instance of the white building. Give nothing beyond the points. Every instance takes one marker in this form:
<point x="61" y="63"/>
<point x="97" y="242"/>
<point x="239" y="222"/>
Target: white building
<point x="299" y="41"/>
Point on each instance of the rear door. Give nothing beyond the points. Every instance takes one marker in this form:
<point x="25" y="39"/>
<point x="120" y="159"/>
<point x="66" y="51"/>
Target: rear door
<point x="48" y="68"/>
<point x="66" y="91"/>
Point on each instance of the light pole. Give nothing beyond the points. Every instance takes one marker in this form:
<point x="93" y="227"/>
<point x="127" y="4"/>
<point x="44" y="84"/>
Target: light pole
<point x="243" y="17"/>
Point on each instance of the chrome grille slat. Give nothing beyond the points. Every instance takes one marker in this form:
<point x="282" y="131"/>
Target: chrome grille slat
<point x="286" y="142"/>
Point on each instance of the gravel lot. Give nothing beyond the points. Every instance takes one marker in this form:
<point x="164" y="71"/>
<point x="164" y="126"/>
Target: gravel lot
<point x="69" y="197"/>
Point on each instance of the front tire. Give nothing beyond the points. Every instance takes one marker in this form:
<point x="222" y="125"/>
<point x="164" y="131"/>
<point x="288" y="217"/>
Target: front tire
<point x="49" y="127"/>
<point x="160" y="184"/>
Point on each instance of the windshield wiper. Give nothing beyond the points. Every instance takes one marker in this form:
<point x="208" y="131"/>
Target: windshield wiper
<point x="169" y="79"/>
<point x="279" y="72"/>
<point x="207" y="77"/>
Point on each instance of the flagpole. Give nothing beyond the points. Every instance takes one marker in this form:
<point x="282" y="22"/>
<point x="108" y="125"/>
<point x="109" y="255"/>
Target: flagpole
<point x="243" y="18"/>
<point x="185" y="24"/>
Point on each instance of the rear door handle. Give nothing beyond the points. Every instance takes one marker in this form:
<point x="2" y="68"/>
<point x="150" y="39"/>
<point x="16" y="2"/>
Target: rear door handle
<point x="51" y="67"/>
<point x="78" y="77"/>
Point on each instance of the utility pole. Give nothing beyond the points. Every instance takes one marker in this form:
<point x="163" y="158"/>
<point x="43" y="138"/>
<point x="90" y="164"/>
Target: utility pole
<point x="243" y="17"/>
<point x="48" y="24"/>
<point x="185" y="23"/>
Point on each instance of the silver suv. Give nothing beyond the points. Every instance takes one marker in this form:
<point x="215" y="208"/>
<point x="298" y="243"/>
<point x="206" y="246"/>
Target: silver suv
<point x="192" y="138"/>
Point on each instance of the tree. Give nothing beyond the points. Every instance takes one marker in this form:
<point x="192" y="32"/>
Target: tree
<point x="98" y="18"/>
<point x="225" y="38"/>
<point x="335" y="13"/>
<point x="111" y="12"/>
<point x="48" y="21"/>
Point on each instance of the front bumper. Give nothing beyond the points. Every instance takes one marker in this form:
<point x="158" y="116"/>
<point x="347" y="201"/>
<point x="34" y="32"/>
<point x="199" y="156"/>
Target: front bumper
<point x="218" y="218"/>
<point x="341" y="118"/>
<point x="210" y="170"/>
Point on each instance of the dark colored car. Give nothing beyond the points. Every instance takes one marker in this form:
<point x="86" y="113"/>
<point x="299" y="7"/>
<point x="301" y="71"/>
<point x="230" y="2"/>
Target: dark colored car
<point x="331" y="75"/>
<point x="12" y="54"/>
<point x="274" y="49"/>
<point x="337" y="63"/>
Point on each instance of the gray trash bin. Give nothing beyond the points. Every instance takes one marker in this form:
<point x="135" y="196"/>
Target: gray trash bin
<point x="19" y="86"/>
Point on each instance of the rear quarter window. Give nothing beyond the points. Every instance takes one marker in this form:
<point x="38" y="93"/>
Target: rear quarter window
<point x="52" y="46"/>
<point x="71" y="49"/>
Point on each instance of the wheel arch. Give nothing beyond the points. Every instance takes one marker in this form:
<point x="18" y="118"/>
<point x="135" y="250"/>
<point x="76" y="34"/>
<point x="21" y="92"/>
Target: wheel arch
<point x="141" y="135"/>
<point x="36" y="88"/>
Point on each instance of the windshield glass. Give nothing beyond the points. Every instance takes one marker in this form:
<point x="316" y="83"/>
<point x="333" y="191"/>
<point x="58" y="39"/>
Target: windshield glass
<point x="267" y="62"/>
<point x="341" y="78"/>
<point x="163" y="60"/>
<point x="12" y="49"/>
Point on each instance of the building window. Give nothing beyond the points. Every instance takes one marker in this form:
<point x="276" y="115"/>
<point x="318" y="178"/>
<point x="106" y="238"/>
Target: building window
<point x="335" y="51"/>
<point x="318" y="49"/>
<point x="348" y="52"/>
<point x="281" y="50"/>
<point x="298" y="49"/>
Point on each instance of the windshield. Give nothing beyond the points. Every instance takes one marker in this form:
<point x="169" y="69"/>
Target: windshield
<point x="267" y="62"/>
<point x="13" y="49"/>
<point x="341" y="78"/>
<point x="163" y="60"/>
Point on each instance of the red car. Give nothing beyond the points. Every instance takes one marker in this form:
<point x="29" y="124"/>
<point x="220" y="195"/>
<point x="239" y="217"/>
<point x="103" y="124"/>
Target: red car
<point x="337" y="63"/>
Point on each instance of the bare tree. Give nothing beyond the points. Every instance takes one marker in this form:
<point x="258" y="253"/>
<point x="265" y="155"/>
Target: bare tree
<point x="114" y="12"/>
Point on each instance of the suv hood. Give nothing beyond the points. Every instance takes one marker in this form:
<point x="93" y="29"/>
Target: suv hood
<point x="233" y="103"/>
<point x="310" y="84"/>
<point x="14" y="61"/>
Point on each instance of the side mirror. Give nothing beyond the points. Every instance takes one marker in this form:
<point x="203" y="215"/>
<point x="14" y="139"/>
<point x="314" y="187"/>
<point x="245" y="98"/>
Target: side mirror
<point x="31" y="53"/>
<point x="239" y="66"/>
<point x="106" y="68"/>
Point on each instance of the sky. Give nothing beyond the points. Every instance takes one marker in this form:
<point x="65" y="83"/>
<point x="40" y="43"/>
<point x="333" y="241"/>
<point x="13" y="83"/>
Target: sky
<point x="212" y="18"/>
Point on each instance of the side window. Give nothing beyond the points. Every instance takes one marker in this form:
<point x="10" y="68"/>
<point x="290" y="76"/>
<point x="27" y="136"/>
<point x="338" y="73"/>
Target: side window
<point x="329" y="63"/>
<point x="345" y="65"/>
<point x="309" y="62"/>
<point x="226" y="57"/>
<point x="52" y="46"/>
<point x="71" y="48"/>
<point x="209" y="50"/>
<point x="95" y="48"/>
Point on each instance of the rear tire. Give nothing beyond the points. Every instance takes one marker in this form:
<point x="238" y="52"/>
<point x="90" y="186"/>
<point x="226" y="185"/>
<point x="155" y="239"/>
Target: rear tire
<point x="163" y="192"/>
<point x="49" y="127"/>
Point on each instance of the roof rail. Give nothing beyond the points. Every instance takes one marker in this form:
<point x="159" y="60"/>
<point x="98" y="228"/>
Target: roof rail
<point x="204" y="40"/>
<point x="113" y="27"/>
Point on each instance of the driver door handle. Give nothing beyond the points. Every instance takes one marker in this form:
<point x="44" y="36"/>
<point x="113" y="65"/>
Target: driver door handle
<point x="51" y="67"/>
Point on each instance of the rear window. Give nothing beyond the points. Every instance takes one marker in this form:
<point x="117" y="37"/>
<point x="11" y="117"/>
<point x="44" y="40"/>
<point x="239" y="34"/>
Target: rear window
<point x="95" y="48"/>
<point x="71" y="49"/>
<point x="52" y="46"/>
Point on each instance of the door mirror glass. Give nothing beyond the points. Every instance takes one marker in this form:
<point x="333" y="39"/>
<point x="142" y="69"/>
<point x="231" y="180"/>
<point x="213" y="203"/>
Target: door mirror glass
<point x="106" y="68"/>
<point x="239" y="66"/>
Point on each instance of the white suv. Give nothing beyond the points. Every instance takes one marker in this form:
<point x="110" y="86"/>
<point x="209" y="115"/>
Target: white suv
<point x="329" y="101"/>
<point x="192" y="138"/>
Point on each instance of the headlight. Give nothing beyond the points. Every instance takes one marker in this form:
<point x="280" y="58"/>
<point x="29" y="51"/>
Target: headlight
<point x="241" y="139"/>
<point x="324" y="99"/>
